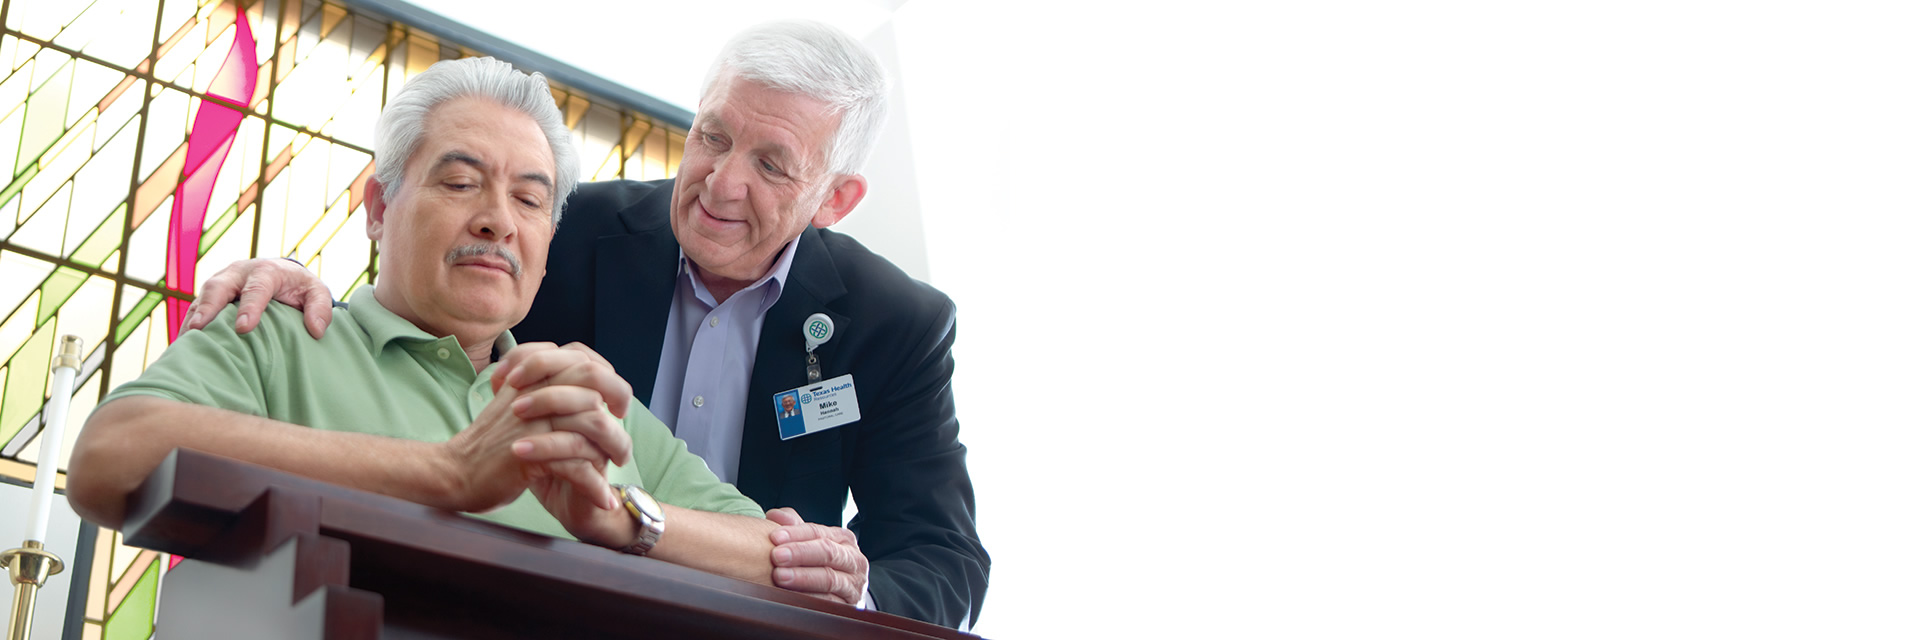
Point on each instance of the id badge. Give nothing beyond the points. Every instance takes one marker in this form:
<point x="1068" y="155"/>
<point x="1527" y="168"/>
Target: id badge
<point x="816" y="407"/>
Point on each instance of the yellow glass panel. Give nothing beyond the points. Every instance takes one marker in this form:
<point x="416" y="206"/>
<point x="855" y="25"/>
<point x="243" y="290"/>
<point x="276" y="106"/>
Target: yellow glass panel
<point x="252" y="137"/>
<point x="147" y="248"/>
<point x="273" y="217"/>
<point x="48" y="224"/>
<point x="131" y="357"/>
<point x="156" y="336"/>
<point x="86" y="396"/>
<point x="102" y="574"/>
<point x="99" y="188"/>
<point x="57" y="166"/>
<point x="41" y="19"/>
<point x="118" y="31"/>
<point x="124" y="558"/>
<point x="167" y="126"/>
<point x="307" y="193"/>
<point x="26" y="386"/>
<point x="13" y="95"/>
<point x="89" y="312"/>
<point x="353" y="122"/>
<point x="19" y="326"/>
<point x="346" y="166"/>
<point x="123" y="113"/>
<point x="85" y="399"/>
<point x="235" y="244"/>
<point x="179" y="60"/>
<point x="344" y="257"/>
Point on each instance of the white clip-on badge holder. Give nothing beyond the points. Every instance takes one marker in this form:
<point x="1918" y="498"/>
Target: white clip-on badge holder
<point x="818" y="330"/>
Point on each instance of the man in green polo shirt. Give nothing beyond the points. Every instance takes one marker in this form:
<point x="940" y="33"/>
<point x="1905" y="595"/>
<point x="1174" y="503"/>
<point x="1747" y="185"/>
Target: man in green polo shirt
<point x="472" y="163"/>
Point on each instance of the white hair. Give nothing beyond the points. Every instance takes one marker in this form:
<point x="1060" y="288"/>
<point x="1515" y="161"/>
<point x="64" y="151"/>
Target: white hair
<point x="404" y="120"/>
<point x="819" y="62"/>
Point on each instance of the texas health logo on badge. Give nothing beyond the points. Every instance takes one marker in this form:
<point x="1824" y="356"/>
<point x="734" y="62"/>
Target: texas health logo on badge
<point x="816" y="408"/>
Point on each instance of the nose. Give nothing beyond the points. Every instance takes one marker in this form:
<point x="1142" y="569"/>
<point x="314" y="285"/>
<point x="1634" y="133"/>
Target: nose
<point x="494" y="220"/>
<point x="727" y="180"/>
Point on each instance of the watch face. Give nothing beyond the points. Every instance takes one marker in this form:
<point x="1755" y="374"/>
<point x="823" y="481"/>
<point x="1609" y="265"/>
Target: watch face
<point x="639" y="501"/>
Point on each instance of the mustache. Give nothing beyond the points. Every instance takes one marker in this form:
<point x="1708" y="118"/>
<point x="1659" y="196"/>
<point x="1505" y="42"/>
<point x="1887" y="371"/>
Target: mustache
<point x="474" y="250"/>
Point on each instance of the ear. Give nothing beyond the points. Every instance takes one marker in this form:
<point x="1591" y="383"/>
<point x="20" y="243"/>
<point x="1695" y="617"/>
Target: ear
<point x="376" y="209"/>
<point x="847" y="191"/>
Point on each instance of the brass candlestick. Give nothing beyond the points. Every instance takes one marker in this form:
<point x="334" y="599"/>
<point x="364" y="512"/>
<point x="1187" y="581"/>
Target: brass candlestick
<point x="29" y="567"/>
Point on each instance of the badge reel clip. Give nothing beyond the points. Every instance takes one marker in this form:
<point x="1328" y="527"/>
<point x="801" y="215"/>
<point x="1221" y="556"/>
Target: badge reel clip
<point x="818" y="331"/>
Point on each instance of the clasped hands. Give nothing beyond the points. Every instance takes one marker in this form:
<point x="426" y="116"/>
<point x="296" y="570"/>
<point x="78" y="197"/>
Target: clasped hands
<point x="552" y="427"/>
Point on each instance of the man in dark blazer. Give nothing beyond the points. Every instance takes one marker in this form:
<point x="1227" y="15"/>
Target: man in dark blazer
<point x="609" y="284"/>
<point x="637" y="270"/>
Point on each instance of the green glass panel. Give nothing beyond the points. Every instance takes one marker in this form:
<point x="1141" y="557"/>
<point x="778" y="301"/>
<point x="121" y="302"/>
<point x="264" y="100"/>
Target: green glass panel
<point x="59" y="287"/>
<point x="219" y="227"/>
<point x="140" y="313"/>
<point x="356" y="285"/>
<point x="46" y="115"/>
<point x="10" y="131"/>
<point x="26" y="382"/>
<point x="94" y="251"/>
<point x="6" y="195"/>
<point x="134" y="619"/>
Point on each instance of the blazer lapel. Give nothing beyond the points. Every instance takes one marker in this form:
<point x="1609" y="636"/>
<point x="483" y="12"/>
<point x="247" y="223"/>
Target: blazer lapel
<point x="780" y="363"/>
<point x="633" y="295"/>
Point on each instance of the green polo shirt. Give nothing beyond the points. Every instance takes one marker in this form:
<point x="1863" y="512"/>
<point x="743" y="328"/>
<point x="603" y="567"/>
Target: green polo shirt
<point x="376" y="373"/>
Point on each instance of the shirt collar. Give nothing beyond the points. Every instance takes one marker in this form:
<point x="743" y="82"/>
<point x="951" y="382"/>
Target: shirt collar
<point x="777" y="276"/>
<point x="383" y="326"/>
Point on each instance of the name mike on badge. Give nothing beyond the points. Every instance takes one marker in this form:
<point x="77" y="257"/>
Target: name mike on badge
<point x="816" y="407"/>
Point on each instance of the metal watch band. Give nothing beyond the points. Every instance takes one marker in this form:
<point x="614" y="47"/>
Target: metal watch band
<point x="646" y="514"/>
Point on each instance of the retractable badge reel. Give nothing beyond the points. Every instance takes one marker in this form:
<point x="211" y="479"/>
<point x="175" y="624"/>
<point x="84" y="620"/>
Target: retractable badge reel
<point x="818" y="330"/>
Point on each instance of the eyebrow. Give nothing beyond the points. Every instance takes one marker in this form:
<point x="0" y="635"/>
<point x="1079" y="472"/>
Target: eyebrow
<point x="462" y="157"/>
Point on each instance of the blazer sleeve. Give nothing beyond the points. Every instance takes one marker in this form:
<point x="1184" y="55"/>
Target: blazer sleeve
<point x="908" y="474"/>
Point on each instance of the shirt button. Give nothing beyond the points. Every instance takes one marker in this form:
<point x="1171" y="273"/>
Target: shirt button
<point x="699" y="400"/>
<point x="713" y="321"/>
<point x="443" y="353"/>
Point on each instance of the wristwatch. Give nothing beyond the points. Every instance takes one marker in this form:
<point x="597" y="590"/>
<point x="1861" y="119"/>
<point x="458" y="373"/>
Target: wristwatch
<point x="646" y="514"/>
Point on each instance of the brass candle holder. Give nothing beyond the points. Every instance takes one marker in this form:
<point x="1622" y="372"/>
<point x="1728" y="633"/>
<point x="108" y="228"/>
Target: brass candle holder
<point x="28" y="567"/>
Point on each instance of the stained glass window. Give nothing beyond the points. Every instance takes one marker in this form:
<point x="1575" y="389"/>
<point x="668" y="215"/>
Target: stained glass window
<point x="144" y="144"/>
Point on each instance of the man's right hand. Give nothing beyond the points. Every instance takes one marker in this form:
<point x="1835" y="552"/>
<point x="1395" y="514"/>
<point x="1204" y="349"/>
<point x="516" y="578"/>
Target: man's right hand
<point x="256" y="282"/>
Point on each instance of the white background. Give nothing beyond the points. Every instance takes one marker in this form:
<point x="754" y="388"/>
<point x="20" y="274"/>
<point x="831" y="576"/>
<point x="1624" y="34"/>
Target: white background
<point x="1409" y="319"/>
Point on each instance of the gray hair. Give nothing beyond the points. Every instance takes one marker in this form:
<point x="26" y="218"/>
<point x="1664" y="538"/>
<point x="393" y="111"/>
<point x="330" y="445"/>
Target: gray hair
<point x="404" y="120"/>
<point x="819" y="62"/>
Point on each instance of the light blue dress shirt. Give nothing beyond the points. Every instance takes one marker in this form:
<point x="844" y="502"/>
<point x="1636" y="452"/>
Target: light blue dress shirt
<point x="706" y="362"/>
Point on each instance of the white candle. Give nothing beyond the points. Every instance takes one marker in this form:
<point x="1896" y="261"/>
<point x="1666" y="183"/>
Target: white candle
<point x="54" y="416"/>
